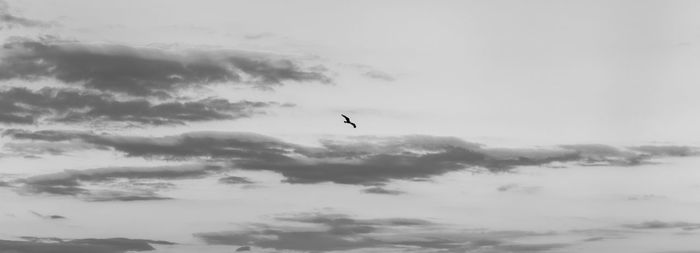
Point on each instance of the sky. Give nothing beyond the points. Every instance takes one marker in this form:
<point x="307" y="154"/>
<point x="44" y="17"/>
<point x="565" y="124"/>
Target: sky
<point x="482" y="126"/>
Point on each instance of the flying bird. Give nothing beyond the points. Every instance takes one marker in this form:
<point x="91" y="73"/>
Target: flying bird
<point x="347" y="120"/>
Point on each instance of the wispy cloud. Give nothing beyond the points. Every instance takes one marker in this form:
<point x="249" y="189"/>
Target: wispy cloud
<point x="139" y="71"/>
<point x="73" y="182"/>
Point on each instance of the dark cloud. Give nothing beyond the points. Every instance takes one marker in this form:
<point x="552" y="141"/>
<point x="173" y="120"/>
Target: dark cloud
<point x="340" y="224"/>
<point x="8" y="20"/>
<point x="381" y="190"/>
<point x="101" y="196"/>
<point x="235" y="180"/>
<point x="145" y="71"/>
<point x="50" y="217"/>
<point x="14" y="119"/>
<point x="57" y="245"/>
<point x="334" y="232"/>
<point x="289" y="240"/>
<point x="340" y="232"/>
<point x="595" y="239"/>
<point x="24" y="106"/>
<point x="518" y="188"/>
<point x="30" y="149"/>
<point x="665" y="225"/>
<point x="363" y="160"/>
<point x="73" y="182"/>
<point x="72" y="177"/>
<point x="47" y="135"/>
<point x="244" y="248"/>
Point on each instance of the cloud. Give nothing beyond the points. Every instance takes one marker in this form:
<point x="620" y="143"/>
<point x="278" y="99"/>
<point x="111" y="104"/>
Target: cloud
<point x="644" y="197"/>
<point x="362" y="161"/>
<point x="372" y="73"/>
<point x="599" y="154"/>
<point x="257" y="36"/>
<point x="55" y="148"/>
<point x="667" y="150"/>
<point x="329" y="232"/>
<point x="235" y="180"/>
<point x="530" y="247"/>
<point x="24" y="106"/>
<point x="595" y="239"/>
<point x="73" y="182"/>
<point x="232" y="145"/>
<point x="102" y="196"/>
<point x="518" y="188"/>
<point x="8" y="20"/>
<point x="146" y="71"/>
<point x="379" y="75"/>
<point x="381" y="190"/>
<point x="244" y="248"/>
<point x="50" y="217"/>
<point x="598" y="151"/>
<point x="664" y="225"/>
<point x="332" y="232"/>
<point x="90" y="245"/>
<point x="71" y="177"/>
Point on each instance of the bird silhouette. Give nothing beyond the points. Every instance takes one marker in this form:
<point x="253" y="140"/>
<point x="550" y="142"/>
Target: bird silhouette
<point x="347" y="120"/>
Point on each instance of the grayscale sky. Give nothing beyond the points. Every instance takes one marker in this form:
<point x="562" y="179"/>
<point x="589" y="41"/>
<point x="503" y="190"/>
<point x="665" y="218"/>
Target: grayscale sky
<point x="483" y="126"/>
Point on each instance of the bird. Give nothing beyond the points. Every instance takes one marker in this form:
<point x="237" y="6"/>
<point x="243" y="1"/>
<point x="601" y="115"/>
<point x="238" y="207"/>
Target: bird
<point x="347" y="120"/>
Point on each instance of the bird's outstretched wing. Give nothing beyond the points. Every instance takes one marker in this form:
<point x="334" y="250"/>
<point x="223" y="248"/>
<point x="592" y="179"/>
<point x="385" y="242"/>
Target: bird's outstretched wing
<point x="346" y="117"/>
<point x="353" y="125"/>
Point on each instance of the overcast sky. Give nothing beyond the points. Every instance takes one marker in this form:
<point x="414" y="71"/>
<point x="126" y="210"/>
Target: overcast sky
<point x="483" y="126"/>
